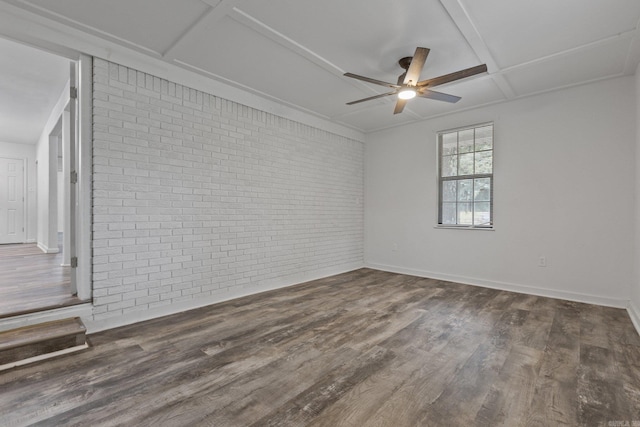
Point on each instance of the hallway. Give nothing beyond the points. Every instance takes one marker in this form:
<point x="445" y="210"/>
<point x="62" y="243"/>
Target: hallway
<point x="31" y="280"/>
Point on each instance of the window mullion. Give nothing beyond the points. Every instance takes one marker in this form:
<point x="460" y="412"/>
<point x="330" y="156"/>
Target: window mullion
<point x="473" y="202"/>
<point x="461" y="177"/>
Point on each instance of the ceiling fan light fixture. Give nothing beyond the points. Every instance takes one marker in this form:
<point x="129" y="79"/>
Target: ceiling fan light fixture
<point x="409" y="85"/>
<point x="407" y="94"/>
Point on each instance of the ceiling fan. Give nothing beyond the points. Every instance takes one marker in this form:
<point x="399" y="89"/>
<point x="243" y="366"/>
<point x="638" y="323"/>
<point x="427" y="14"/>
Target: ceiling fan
<point x="408" y="85"/>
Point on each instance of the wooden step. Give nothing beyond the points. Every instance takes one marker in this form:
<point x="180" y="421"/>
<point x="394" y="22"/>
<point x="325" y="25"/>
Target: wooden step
<point x="37" y="342"/>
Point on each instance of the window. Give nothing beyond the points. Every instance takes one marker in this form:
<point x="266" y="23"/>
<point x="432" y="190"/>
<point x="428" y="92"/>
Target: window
<point x="465" y="177"/>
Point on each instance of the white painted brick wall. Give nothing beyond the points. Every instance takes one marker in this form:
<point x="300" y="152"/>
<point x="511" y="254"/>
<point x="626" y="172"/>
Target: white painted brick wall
<point x="194" y="195"/>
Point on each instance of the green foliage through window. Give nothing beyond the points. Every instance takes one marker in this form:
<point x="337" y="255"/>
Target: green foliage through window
<point x="465" y="177"/>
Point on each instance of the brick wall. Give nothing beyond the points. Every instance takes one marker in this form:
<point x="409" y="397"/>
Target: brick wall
<point x="196" y="198"/>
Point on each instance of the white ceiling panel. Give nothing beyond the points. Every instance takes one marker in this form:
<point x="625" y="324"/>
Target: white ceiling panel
<point x="566" y="70"/>
<point x="31" y="81"/>
<point x="251" y="60"/>
<point x="376" y="116"/>
<point x="368" y="38"/>
<point x="152" y="24"/>
<point x="517" y="31"/>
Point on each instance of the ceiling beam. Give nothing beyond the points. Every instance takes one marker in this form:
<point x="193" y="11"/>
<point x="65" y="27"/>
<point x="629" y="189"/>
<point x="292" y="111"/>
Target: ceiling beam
<point x="71" y="23"/>
<point x="577" y="49"/>
<point x="633" y="56"/>
<point x="274" y="35"/>
<point x="463" y="21"/>
<point x="260" y="27"/>
<point x="217" y="10"/>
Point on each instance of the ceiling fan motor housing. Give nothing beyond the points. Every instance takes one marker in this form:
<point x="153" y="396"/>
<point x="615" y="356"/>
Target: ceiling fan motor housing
<point x="405" y="62"/>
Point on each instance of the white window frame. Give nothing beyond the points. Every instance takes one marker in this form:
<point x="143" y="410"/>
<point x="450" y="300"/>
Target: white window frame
<point x="439" y="180"/>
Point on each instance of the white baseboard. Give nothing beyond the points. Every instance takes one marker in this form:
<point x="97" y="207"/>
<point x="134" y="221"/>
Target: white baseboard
<point x="221" y="295"/>
<point x="47" y="250"/>
<point x="634" y="314"/>
<point x="30" y="241"/>
<point x="503" y="286"/>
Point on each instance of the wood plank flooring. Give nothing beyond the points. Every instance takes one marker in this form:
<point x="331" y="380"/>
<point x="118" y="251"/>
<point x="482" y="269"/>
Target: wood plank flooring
<point x="31" y="280"/>
<point x="365" y="348"/>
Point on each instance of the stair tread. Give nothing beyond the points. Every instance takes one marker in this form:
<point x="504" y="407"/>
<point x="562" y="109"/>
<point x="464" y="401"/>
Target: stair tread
<point x="34" y="333"/>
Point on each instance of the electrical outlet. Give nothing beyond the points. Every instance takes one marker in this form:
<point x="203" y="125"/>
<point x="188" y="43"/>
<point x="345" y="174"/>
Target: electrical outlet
<point x="394" y="247"/>
<point x="542" y="261"/>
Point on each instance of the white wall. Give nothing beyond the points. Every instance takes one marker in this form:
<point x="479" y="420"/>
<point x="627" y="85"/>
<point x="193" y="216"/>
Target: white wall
<point x="27" y="152"/>
<point x="69" y="42"/>
<point x="634" y="305"/>
<point x="564" y="188"/>
<point x="47" y="235"/>
<point x="198" y="199"/>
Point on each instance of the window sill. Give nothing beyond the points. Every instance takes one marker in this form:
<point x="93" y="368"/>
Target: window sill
<point x="463" y="227"/>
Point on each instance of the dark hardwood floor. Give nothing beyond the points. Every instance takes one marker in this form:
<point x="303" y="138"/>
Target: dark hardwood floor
<point x="366" y="348"/>
<point x="31" y="280"/>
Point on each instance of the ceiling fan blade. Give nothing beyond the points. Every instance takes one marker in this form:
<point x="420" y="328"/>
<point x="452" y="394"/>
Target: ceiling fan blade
<point x="371" y="97"/>
<point x="400" y="106"/>
<point x="432" y="94"/>
<point x="415" y="68"/>
<point x="369" y="80"/>
<point x="468" y="72"/>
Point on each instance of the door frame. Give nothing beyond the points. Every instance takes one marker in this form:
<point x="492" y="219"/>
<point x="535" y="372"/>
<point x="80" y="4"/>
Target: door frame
<point x="84" y="156"/>
<point x="83" y="130"/>
<point x="50" y="244"/>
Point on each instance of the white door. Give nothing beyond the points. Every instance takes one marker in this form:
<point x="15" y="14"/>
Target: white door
<point x="11" y="200"/>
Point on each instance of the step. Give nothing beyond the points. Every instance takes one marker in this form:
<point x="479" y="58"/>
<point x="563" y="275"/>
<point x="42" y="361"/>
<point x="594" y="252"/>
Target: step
<point x="41" y="341"/>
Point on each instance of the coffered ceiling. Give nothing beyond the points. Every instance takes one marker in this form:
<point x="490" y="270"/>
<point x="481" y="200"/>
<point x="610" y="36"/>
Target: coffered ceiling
<point x="295" y="51"/>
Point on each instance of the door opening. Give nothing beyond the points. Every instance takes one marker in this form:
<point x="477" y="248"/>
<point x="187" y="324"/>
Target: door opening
<point x="38" y="197"/>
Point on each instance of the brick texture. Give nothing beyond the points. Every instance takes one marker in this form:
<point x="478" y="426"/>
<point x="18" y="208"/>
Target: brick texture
<point x="194" y="194"/>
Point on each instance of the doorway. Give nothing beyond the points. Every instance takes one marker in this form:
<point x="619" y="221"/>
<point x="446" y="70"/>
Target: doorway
<point x="37" y="208"/>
